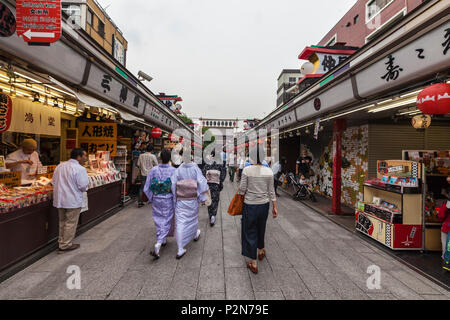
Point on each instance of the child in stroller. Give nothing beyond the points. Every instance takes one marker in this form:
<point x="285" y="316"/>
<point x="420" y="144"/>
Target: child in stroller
<point x="302" y="187"/>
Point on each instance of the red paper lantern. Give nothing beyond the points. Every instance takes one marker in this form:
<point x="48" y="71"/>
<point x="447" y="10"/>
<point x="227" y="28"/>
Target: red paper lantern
<point x="156" y="133"/>
<point x="5" y="112"/>
<point x="181" y="140"/>
<point x="435" y="99"/>
<point x="172" y="137"/>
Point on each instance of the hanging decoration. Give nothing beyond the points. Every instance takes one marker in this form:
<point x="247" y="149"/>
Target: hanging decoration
<point x="156" y="133"/>
<point x="5" y="112"/>
<point x="435" y="99"/>
<point x="421" y="121"/>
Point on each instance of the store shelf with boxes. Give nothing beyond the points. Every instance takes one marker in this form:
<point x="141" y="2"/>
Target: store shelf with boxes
<point x="400" y="206"/>
<point x="391" y="211"/>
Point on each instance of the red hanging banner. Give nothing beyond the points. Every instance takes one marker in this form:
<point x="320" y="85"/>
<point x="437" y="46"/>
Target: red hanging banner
<point x="39" y="21"/>
<point x="5" y="112"/>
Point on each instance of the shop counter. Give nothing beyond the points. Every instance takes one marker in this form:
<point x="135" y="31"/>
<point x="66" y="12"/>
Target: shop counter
<point x="26" y="230"/>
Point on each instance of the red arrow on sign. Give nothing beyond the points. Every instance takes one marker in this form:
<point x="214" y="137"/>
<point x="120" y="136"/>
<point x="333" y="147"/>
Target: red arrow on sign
<point x="39" y="20"/>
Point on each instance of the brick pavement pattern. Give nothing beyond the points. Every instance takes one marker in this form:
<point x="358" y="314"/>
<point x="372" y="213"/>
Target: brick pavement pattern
<point x="308" y="257"/>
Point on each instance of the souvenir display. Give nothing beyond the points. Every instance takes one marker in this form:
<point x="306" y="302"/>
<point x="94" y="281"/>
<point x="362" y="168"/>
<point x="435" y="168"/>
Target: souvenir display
<point x="22" y="197"/>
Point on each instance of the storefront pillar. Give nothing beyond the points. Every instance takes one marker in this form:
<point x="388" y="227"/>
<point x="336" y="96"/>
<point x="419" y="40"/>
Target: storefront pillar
<point x="338" y="127"/>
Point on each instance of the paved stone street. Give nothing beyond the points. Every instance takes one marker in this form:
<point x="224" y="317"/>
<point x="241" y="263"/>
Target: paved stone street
<point x="308" y="257"/>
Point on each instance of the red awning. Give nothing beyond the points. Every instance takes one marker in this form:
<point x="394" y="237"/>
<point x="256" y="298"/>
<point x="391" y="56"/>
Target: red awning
<point x="308" y="51"/>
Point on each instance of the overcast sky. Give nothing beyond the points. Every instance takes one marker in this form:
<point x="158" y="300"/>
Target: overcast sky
<point x="223" y="57"/>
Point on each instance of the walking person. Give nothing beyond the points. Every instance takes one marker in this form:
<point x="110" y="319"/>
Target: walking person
<point x="278" y="169"/>
<point x="257" y="186"/>
<point x="444" y="216"/>
<point x="158" y="189"/>
<point x="241" y="162"/>
<point x="189" y="188"/>
<point x="145" y="163"/>
<point x="232" y="163"/>
<point x="70" y="181"/>
<point x="215" y="175"/>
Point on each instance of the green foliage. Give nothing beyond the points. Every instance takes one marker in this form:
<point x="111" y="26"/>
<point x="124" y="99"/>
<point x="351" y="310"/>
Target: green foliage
<point x="185" y="118"/>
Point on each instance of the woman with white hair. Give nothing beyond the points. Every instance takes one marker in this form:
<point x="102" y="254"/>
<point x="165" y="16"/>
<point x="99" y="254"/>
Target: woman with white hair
<point x="26" y="160"/>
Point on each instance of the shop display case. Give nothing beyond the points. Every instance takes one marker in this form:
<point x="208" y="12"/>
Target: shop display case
<point x="391" y="211"/>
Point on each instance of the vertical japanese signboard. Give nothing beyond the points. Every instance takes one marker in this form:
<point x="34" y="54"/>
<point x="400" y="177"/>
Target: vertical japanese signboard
<point x="39" y="21"/>
<point x="97" y="136"/>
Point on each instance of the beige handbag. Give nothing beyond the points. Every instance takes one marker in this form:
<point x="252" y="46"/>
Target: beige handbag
<point x="208" y="198"/>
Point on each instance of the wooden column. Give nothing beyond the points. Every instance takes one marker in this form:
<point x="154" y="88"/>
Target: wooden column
<point x="338" y="127"/>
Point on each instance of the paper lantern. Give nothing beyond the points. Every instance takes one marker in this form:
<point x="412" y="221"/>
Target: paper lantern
<point x="172" y="137"/>
<point x="435" y="99"/>
<point x="421" y="121"/>
<point x="307" y="68"/>
<point x="181" y="140"/>
<point x="156" y="133"/>
<point x="5" y="112"/>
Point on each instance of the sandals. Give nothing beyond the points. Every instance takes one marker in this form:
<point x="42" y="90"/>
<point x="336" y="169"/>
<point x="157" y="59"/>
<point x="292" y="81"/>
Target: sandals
<point x="155" y="255"/>
<point x="178" y="257"/>
<point x="251" y="267"/>
<point x="262" y="254"/>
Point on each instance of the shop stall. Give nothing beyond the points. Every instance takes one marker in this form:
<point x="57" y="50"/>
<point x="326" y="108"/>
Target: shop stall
<point x="391" y="211"/>
<point x="28" y="220"/>
<point x="437" y="168"/>
<point x="400" y="206"/>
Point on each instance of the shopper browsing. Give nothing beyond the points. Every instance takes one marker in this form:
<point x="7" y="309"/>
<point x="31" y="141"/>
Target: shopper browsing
<point x="70" y="181"/>
<point x="145" y="163"/>
<point x="444" y="216"/>
<point x="303" y="165"/>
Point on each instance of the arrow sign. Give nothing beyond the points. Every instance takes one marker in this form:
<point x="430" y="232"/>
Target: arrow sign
<point x="29" y="34"/>
<point x="38" y="21"/>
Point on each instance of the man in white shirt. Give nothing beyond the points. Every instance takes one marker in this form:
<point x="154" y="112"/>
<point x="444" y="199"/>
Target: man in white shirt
<point x="145" y="163"/>
<point x="70" y="181"/>
<point x="26" y="160"/>
<point x="231" y="165"/>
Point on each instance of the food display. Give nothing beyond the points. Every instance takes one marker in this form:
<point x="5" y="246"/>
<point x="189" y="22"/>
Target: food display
<point x="22" y="197"/>
<point x="384" y="210"/>
<point x="101" y="171"/>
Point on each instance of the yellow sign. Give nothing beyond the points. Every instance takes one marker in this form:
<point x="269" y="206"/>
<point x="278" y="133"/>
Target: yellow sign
<point x="98" y="136"/>
<point x="11" y="179"/>
<point x="97" y="131"/>
<point x="92" y="146"/>
<point x="2" y="162"/>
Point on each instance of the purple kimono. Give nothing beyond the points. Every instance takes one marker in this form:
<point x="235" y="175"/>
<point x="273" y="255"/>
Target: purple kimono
<point x="186" y="211"/>
<point x="163" y="208"/>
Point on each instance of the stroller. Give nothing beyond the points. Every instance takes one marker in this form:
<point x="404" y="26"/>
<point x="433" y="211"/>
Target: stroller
<point x="301" y="191"/>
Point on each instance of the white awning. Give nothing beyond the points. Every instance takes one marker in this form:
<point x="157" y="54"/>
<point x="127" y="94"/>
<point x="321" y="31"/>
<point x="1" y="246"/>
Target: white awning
<point x="93" y="102"/>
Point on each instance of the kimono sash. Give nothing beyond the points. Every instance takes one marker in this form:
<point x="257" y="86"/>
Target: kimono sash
<point x="187" y="189"/>
<point x="213" y="176"/>
<point x="159" y="187"/>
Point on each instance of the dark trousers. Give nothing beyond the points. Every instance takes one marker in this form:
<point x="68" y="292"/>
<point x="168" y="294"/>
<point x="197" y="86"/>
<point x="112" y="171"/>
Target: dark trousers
<point x="214" y="188"/>
<point x="254" y="219"/>
<point x="141" y="189"/>
<point x="240" y="174"/>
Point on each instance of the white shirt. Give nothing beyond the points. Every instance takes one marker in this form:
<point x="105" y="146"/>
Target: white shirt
<point x="241" y="162"/>
<point x="25" y="168"/>
<point x="70" y="180"/>
<point x="146" y="162"/>
<point x="231" y="160"/>
<point x="276" y="168"/>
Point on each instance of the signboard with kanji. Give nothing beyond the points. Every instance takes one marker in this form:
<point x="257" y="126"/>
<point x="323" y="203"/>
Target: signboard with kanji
<point x="38" y="20"/>
<point x="11" y="179"/>
<point x="97" y="136"/>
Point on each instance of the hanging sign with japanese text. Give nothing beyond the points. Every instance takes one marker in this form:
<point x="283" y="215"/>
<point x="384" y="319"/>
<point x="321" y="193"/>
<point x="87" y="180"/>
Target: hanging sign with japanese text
<point x="39" y="21"/>
<point x="5" y="112"/>
<point x="35" y="118"/>
<point x="97" y="136"/>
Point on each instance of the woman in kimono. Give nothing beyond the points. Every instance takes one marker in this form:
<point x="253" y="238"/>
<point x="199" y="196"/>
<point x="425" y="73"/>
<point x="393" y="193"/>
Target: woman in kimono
<point x="158" y="188"/>
<point x="189" y="188"/>
<point x="215" y="175"/>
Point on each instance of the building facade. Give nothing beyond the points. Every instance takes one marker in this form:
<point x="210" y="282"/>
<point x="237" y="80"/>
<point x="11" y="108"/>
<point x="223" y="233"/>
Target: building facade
<point x="93" y="19"/>
<point x="287" y="79"/>
<point x="367" y="19"/>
